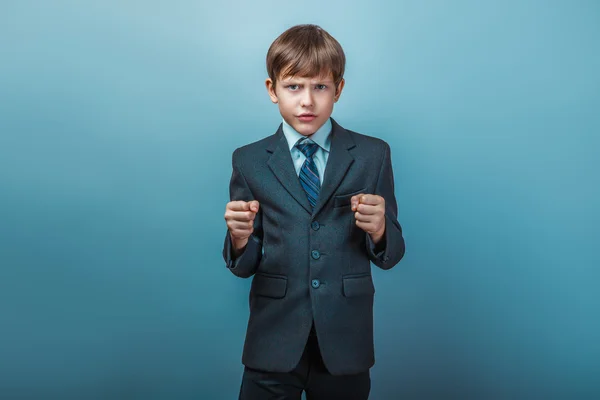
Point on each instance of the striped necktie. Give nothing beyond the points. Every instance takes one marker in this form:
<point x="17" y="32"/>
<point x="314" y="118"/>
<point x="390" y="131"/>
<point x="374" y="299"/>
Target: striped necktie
<point x="309" y="175"/>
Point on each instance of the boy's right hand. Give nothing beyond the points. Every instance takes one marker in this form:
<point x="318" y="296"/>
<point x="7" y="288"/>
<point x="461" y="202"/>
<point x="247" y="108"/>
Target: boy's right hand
<point x="239" y="216"/>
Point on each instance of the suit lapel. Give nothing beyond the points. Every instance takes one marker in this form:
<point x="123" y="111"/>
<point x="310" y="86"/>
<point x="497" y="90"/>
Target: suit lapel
<point x="282" y="166"/>
<point x="339" y="161"/>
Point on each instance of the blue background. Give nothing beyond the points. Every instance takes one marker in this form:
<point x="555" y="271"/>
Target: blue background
<point x="117" y="124"/>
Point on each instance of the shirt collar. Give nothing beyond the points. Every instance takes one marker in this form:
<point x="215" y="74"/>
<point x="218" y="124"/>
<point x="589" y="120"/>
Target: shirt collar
<point x="321" y="137"/>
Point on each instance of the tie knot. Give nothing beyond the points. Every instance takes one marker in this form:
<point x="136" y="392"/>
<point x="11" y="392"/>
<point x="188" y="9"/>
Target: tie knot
<point x="307" y="147"/>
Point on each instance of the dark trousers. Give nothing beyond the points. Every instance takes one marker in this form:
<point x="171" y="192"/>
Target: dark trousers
<point x="310" y="375"/>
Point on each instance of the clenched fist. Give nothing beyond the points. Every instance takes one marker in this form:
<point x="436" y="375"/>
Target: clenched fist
<point x="239" y="216"/>
<point x="369" y="212"/>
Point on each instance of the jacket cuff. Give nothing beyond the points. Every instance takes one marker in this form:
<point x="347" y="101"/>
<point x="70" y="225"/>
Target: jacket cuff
<point x="378" y="252"/>
<point x="252" y="248"/>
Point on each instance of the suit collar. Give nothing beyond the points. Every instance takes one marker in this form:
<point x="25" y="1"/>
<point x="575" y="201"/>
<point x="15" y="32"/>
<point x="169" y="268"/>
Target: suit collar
<point x="339" y="161"/>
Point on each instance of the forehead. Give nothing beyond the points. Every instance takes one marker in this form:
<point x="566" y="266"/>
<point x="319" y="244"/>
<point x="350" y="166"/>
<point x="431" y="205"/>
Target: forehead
<point x="312" y="79"/>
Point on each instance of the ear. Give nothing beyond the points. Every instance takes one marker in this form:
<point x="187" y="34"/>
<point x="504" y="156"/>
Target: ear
<point x="338" y="90"/>
<point x="271" y="90"/>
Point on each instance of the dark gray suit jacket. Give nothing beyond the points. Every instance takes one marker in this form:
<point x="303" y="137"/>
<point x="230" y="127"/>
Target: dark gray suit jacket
<point x="312" y="264"/>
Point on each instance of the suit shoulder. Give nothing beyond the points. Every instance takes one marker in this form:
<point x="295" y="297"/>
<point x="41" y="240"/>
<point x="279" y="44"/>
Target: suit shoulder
<point x="250" y="151"/>
<point x="362" y="139"/>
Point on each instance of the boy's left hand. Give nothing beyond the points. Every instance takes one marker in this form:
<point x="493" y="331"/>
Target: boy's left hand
<point x="369" y="211"/>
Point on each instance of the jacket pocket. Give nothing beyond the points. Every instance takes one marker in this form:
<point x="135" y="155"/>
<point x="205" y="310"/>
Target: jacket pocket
<point x="268" y="285"/>
<point x="358" y="285"/>
<point x="342" y="200"/>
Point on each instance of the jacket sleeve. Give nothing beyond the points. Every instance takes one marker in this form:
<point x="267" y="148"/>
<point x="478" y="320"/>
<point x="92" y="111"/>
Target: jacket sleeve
<point x="246" y="263"/>
<point x="390" y="250"/>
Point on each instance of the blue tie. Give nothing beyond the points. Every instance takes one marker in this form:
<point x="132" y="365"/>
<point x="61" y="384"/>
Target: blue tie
<point x="309" y="175"/>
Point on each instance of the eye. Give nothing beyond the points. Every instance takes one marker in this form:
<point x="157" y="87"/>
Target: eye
<point x="292" y="87"/>
<point x="323" y="87"/>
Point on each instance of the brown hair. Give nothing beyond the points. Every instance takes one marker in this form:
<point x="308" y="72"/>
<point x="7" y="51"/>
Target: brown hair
<point x="306" y="50"/>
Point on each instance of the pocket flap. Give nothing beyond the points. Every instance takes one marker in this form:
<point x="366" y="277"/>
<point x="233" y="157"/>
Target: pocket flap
<point x="342" y="200"/>
<point x="358" y="285"/>
<point x="273" y="286"/>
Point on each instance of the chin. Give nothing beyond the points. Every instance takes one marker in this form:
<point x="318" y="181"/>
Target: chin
<point x="309" y="128"/>
<point x="306" y="131"/>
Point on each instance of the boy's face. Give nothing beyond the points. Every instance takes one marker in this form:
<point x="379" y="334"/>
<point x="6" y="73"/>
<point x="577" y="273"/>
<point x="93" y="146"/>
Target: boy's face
<point x="305" y="102"/>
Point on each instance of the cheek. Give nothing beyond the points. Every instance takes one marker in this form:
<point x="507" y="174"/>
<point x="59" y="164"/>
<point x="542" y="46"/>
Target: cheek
<point x="284" y="103"/>
<point x="327" y="101"/>
<point x="283" y="106"/>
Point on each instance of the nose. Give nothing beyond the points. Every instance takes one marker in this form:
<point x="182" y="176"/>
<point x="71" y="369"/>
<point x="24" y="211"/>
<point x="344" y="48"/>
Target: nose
<point x="307" y="98"/>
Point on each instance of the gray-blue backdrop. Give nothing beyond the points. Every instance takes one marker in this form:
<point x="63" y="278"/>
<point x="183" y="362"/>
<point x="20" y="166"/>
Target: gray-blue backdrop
<point x="117" y="124"/>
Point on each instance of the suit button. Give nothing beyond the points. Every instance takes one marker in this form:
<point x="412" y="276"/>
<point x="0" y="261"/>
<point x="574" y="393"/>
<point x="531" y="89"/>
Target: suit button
<point x="315" y="283"/>
<point x="315" y="254"/>
<point x="315" y="225"/>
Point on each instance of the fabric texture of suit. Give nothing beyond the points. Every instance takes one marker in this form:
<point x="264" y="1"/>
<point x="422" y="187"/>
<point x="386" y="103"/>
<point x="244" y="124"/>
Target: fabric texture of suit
<point x="312" y="264"/>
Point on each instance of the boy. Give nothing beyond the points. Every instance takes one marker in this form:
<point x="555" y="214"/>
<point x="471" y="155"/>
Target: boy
<point x="311" y="206"/>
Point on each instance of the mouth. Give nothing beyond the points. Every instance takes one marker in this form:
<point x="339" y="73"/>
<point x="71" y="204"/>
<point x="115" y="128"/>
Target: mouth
<point x="306" y="117"/>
